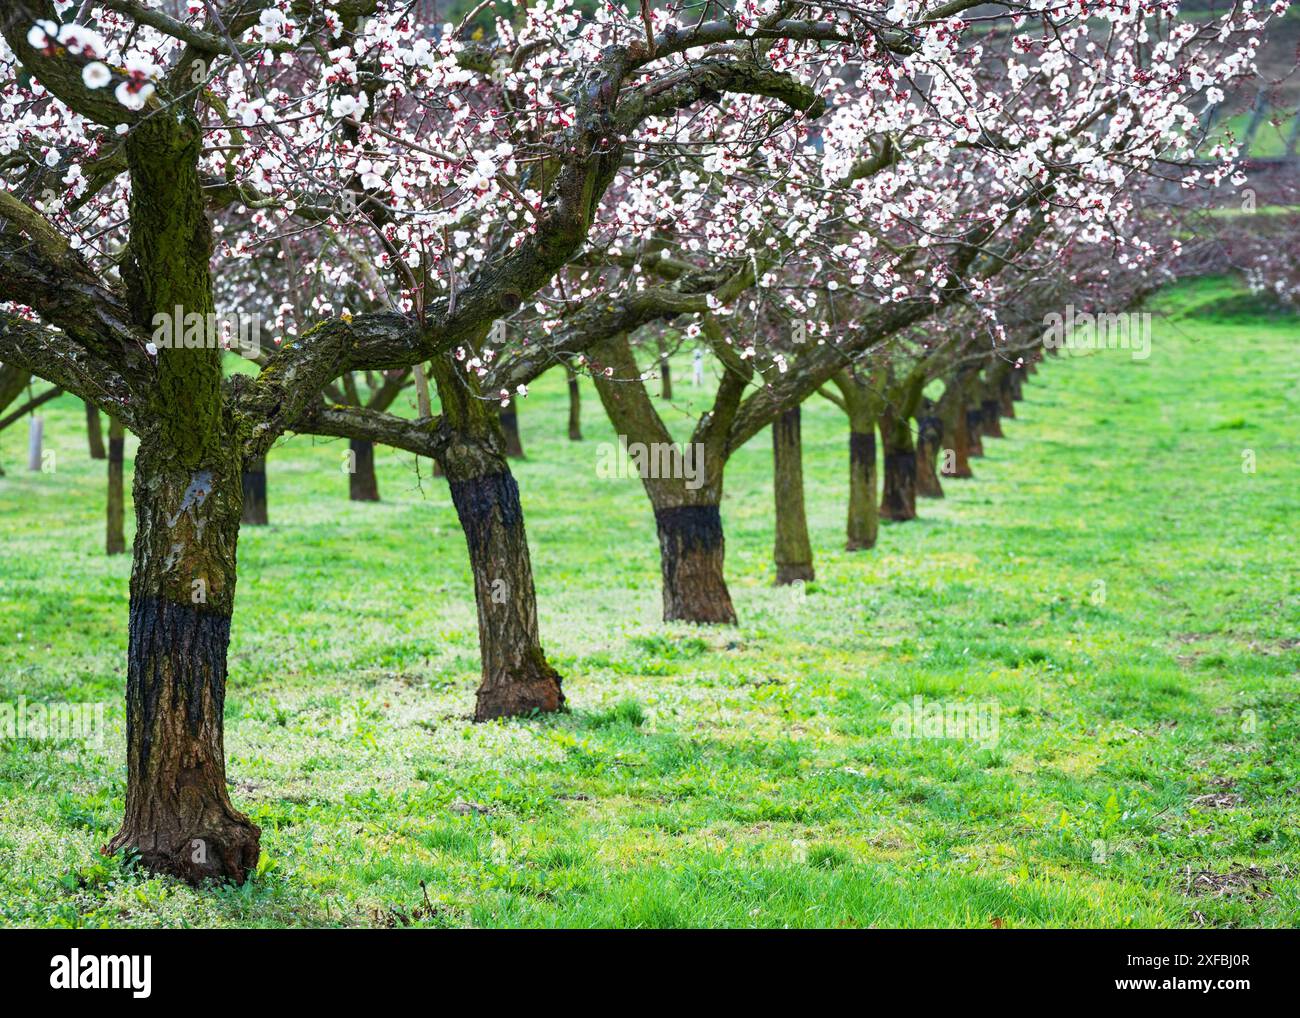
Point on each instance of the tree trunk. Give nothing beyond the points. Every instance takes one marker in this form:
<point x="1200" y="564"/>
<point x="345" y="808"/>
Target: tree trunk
<point x="864" y="516"/>
<point x="1006" y="399"/>
<point x="793" y="551"/>
<point x="363" y="485"/>
<point x="691" y="552"/>
<point x="898" y="499"/>
<point x="115" y="541"/>
<point x="35" y="443"/>
<point x="575" y="406"/>
<point x="929" y="440"/>
<point x="688" y="520"/>
<point x="510" y="430"/>
<point x="990" y="418"/>
<point x="94" y="433"/>
<point x="179" y="818"/>
<point x="974" y="429"/>
<point x="1018" y="383"/>
<point x="253" y="481"/>
<point x="665" y="375"/>
<point x="955" y="438"/>
<point x="516" y="677"/>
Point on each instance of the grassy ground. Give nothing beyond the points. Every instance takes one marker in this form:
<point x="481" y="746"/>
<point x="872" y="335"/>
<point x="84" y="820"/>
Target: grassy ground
<point x="1113" y="591"/>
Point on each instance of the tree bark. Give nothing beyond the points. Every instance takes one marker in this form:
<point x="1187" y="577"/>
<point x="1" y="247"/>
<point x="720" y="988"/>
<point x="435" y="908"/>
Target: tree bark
<point x="575" y="405"/>
<point x="864" y="514"/>
<point x="179" y="818"/>
<point x="691" y="555"/>
<point x="793" y="549"/>
<point x="665" y="375"/>
<point x="974" y="429"/>
<point x="1006" y="401"/>
<point x="363" y="485"/>
<point x="955" y="438"/>
<point x="115" y="538"/>
<point x="253" y="480"/>
<point x="510" y="429"/>
<point x="929" y="440"/>
<point x="35" y="443"/>
<point x="991" y="402"/>
<point x="516" y="677"/>
<point x="688" y="519"/>
<point x="860" y="399"/>
<point x="898" y="499"/>
<point x="94" y="433"/>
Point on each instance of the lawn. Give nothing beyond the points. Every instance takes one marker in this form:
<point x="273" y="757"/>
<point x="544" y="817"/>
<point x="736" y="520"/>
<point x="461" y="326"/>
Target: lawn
<point x="1113" y="591"/>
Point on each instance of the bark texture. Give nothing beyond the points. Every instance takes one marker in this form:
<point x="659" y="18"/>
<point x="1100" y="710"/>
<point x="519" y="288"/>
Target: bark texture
<point x="991" y="418"/>
<point x="861" y="398"/>
<point x="691" y="554"/>
<point x="253" y="480"/>
<point x="793" y="549"/>
<point x="95" y="433"/>
<point x="363" y="485"/>
<point x="687" y="515"/>
<point x="115" y="536"/>
<point x="516" y="677"/>
<point x="179" y="818"/>
<point x="514" y="445"/>
<point x="974" y="431"/>
<point x="898" y="496"/>
<point x="929" y="441"/>
<point x="575" y="406"/>
<point x="864" y="514"/>
<point x="954" y="442"/>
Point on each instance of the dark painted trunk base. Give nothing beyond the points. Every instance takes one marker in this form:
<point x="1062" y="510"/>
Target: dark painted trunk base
<point x="792" y="549"/>
<point x="929" y="441"/>
<point x="115" y="533"/>
<point x="363" y="485"/>
<point x="974" y="429"/>
<point x="990" y="419"/>
<point x="898" y="500"/>
<point x="253" y="482"/>
<point x="179" y="819"/>
<point x="516" y="677"/>
<point x="691" y="549"/>
<point x="864" y="518"/>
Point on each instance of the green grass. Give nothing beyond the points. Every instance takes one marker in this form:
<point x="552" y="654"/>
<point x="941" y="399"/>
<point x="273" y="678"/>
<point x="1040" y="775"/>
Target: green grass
<point x="1111" y="582"/>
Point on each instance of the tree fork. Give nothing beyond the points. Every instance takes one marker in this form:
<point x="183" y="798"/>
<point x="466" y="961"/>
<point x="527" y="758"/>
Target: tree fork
<point x="516" y="677"/>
